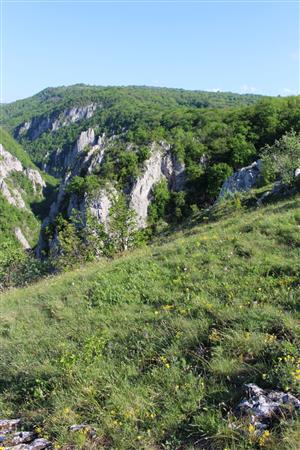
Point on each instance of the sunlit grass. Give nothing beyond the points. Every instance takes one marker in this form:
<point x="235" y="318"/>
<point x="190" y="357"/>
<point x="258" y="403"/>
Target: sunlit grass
<point x="152" y="348"/>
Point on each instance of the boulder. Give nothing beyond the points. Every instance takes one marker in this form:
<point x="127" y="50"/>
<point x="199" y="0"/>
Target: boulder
<point x="242" y="181"/>
<point x="264" y="406"/>
<point x="23" y="437"/>
<point x="9" y="424"/>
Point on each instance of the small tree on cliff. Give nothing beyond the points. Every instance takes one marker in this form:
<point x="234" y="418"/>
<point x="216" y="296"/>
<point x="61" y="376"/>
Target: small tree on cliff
<point x="122" y="224"/>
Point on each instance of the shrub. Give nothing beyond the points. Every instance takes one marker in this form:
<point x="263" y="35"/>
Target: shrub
<point x="18" y="267"/>
<point x="161" y="197"/>
<point x="281" y="159"/>
<point x="216" y="176"/>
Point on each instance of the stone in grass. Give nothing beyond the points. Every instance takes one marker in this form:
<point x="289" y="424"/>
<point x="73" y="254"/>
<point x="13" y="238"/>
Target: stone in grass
<point x="264" y="406"/>
<point x="23" y="437"/>
<point x="18" y="447"/>
<point x="91" y="433"/>
<point x="7" y="425"/>
<point x="39" y="444"/>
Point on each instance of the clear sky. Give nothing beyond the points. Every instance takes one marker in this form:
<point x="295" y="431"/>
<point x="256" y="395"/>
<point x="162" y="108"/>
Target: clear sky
<point x="245" y="46"/>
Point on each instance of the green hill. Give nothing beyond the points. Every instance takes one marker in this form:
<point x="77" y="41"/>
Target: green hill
<point x="139" y="114"/>
<point x="152" y="348"/>
<point x="51" y="99"/>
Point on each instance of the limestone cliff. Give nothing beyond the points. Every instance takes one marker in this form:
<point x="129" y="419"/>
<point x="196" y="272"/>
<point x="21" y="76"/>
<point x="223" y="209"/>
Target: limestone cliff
<point x="161" y="164"/>
<point x="9" y="165"/>
<point x="86" y="156"/>
<point x="19" y="186"/>
<point x="33" y="128"/>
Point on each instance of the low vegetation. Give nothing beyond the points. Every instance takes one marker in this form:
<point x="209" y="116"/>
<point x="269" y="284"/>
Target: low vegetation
<point x="152" y="348"/>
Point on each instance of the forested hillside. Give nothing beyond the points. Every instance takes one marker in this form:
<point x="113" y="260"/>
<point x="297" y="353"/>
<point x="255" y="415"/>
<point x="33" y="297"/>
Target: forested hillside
<point x="133" y="161"/>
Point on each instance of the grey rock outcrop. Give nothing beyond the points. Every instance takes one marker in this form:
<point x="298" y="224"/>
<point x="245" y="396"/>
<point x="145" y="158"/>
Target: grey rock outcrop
<point x="9" y="164"/>
<point x="264" y="406"/>
<point x="9" y="424"/>
<point x="23" y="437"/>
<point x="38" y="125"/>
<point x="87" y="146"/>
<point x="21" y="238"/>
<point x="36" y="179"/>
<point x="99" y="205"/>
<point x="73" y="115"/>
<point x="64" y="160"/>
<point x="243" y="180"/>
<point x="161" y="164"/>
<point x="13" y="196"/>
<point x="89" y="431"/>
<point x="86" y="154"/>
<point x="11" y="439"/>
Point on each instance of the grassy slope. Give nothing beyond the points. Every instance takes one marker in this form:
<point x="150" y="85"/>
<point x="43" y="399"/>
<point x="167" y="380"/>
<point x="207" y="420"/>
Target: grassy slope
<point x="152" y="349"/>
<point x="15" y="149"/>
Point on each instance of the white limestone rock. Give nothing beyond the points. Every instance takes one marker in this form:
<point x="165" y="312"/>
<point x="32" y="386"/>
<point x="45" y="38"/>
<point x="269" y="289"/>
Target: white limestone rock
<point x="243" y="180"/>
<point x="21" y="238"/>
<point x="100" y="205"/>
<point x="9" y="424"/>
<point x="62" y="160"/>
<point x="161" y="164"/>
<point x="23" y="437"/>
<point x="13" y="196"/>
<point x="35" y="177"/>
<point x="8" y="163"/>
<point x="262" y="406"/>
<point x="38" y="125"/>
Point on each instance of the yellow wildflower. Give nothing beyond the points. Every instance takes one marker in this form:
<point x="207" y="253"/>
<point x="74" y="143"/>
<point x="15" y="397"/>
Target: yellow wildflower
<point x="264" y="437"/>
<point x="251" y="428"/>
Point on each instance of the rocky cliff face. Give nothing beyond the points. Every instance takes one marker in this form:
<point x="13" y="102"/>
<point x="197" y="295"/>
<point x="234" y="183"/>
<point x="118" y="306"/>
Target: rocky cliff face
<point x="12" y="189"/>
<point x="9" y="165"/>
<point x="39" y="125"/>
<point x="87" y="151"/>
<point x="161" y="164"/>
<point x="86" y="156"/>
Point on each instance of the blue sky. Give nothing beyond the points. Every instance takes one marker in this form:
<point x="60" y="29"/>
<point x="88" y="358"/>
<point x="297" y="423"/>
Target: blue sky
<point x="230" y="46"/>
